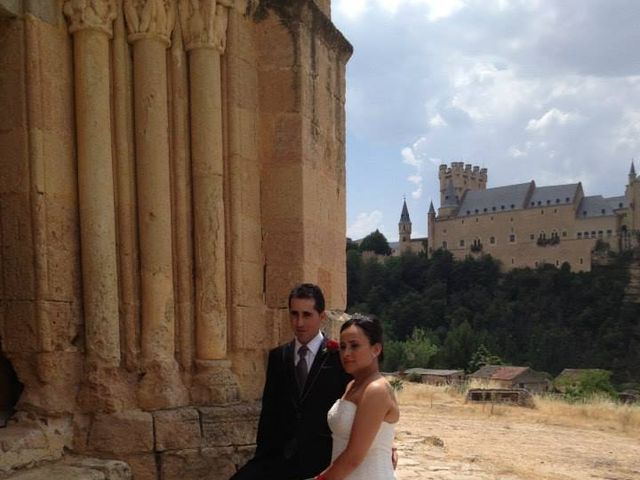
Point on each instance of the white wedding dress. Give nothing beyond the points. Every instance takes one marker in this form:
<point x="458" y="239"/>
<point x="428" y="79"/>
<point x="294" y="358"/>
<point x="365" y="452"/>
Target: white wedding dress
<point x="377" y="464"/>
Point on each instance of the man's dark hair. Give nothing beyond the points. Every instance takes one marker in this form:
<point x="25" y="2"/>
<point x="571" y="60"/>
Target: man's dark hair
<point x="308" y="290"/>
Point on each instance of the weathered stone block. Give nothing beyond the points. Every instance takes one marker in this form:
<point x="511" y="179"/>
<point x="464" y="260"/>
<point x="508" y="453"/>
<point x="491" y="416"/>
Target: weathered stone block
<point x="229" y="425"/>
<point x="143" y="465"/>
<point x="177" y="429"/>
<point x="202" y="464"/>
<point x="124" y="432"/>
<point x="21" y="329"/>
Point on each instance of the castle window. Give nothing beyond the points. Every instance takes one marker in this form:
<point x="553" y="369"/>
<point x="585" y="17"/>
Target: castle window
<point x="555" y="210"/>
<point x="586" y="234"/>
<point x="567" y="199"/>
<point x="532" y="236"/>
<point x="620" y="205"/>
<point x="468" y="212"/>
<point x="511" y="219"/>
<point x="501" y="207"/>
<point x="476" y="210"/>
<point x="493" y="208"/>
<point x="564" y="233"/>
<point x="548" y="202"/>
<point x="444" y="230"/>
<point x="599" y="233"/>
<point x="536" y="264"/>
<point x="603" y="211"/>
<point x="513" y="206"/>
<point x="492" y="240"/>
<point x="609" y="232"/>
<point x="404" y="239"/>
<point x="484" y="209"/>
<point x="541" y="212"/>
<point x="462" y="221"/>
<point x="512" y="238"/>
<point x="491" y="217"/>
<point x="584" y="212"/>
<point x="462" y="243"/>
<point x="581" y="261"/>
<point x="579" y="235"/>
<point x="444" y="245"/>
<point x="593" y="234"/>
<point x="513" y="261"/>
<point x="477" y="220"/>
<point x="539" y="202"/>
<point x="557" y="263"/>
<point x="557" y="200"/>
<point x="533" y="204"/>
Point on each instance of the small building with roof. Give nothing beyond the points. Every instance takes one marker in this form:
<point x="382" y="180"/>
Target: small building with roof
<point x="506" y="376"/>
<point x="436" y="376"/>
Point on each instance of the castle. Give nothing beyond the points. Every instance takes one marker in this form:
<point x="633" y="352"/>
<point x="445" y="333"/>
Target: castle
<point x="525" y="225"/>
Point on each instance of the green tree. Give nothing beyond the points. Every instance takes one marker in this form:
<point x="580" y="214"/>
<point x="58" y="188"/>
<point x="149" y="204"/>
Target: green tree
<point x="417" y="351"/>
<point x="375" y="242"/>
<point x="482" y="357"/>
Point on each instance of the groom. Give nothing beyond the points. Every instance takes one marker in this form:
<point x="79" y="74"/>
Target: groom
<point x="304" y="379"/>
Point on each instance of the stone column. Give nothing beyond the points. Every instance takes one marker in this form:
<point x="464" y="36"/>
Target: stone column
<point x="204" y="25"/>
<point x="91" y="26"/>
<point x="150" y="23"/>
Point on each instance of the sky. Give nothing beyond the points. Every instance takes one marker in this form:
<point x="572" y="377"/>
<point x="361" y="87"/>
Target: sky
<point x="544" y="90"/>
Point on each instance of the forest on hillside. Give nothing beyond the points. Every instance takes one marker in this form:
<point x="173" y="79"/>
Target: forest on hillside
<point x="443" y="313"/>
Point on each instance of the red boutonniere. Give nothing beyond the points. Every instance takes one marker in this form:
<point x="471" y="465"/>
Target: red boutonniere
<point x="331" y="346"/>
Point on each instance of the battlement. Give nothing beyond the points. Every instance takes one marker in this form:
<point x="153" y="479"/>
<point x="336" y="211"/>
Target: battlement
<point x="460" y="168"/>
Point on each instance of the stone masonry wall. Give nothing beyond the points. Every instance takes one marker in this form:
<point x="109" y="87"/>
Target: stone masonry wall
<point x="168" y="170"/>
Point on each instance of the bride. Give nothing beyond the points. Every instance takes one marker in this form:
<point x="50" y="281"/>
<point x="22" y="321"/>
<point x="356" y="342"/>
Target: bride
<point x="362" y="421"/>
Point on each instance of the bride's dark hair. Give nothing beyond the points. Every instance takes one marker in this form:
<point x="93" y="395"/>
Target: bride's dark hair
<point x="370" y="326"/>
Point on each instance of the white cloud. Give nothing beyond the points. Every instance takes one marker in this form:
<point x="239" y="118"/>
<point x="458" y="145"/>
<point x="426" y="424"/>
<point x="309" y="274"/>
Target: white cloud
<point x="552" y="117"/>
<point x="409" y="157"/>
<point x="351" y="9"/>
<point x="417" y="194"/>
<point x="417" y="179"/>
<point x="437" y="121"/>
<point x="515" y="152"/>
<point x="441" y="9"/>
<point x="365" y="224"/>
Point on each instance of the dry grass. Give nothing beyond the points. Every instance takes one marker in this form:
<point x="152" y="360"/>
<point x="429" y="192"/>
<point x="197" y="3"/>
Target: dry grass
<point x="599" y="413"/>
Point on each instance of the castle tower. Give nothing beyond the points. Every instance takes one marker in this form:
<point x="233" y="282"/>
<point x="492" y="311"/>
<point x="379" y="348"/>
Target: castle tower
<point x="450" y="201"/>
<point x="633" y="197"/>
<point x="464" y="177"/>
<point x="404" y="228"/>
<point x="431" y="227"/>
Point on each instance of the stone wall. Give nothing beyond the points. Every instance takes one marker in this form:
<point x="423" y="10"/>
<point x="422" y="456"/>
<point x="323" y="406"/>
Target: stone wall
<point x="169" y="169"/>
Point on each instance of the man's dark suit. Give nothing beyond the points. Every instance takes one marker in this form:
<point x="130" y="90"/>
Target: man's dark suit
<point x="294" y="440"/>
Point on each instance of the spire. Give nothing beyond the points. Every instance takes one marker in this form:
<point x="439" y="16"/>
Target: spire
<point x="404" y="216"/>
<point x="632" y="172"/>
<point x="432" y="211"/>
<point x="450" y="196"/>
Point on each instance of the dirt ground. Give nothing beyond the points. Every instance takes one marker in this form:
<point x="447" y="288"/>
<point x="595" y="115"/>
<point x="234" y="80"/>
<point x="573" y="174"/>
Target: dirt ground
<point x="441" y="437"/>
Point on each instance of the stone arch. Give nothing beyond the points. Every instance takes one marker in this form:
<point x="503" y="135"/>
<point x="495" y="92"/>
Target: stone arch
<point x="10" y="389"/>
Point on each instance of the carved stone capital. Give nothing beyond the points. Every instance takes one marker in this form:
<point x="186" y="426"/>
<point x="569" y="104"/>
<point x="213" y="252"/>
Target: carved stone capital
<point x="91" y="15"/>
<point x="204" y="23"/>
<point x="150" y="19"/>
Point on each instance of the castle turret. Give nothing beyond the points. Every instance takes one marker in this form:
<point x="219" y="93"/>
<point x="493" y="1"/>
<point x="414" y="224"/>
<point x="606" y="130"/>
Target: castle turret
<point x="632" y="173"/>
<point x="450" y="201"/>
<point x="404" y="228"/>
<point x="431" y="227"/>
<point x="464" y="177"/>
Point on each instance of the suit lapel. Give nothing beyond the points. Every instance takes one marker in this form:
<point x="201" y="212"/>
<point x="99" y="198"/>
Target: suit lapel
<point x="290" y="370"/>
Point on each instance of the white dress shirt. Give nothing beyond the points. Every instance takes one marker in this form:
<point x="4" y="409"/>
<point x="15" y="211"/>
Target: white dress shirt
<point x="313" y="346"/>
